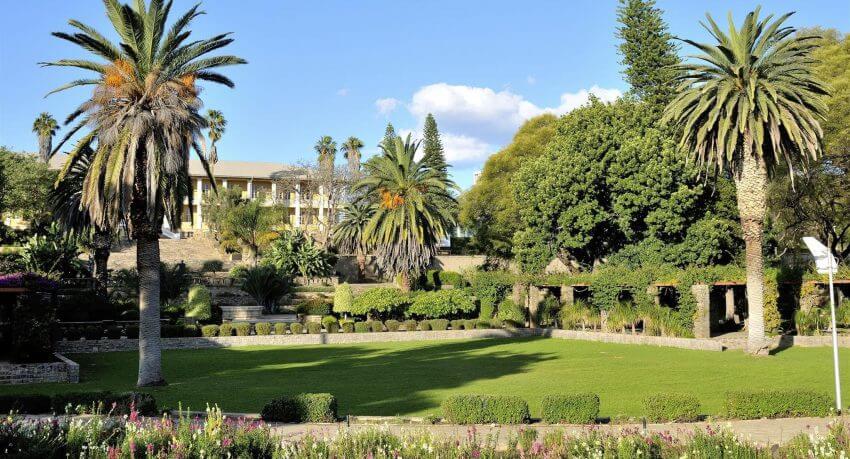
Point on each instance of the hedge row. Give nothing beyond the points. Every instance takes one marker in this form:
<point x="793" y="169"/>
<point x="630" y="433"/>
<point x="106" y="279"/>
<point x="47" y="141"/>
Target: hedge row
<point x="80" y="403"/>
<point x="777" y="404"/>
<point x="301" y="408"/>
<point x="485" y="409"/>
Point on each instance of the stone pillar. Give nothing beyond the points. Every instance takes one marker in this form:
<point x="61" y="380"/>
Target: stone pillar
<point x="517" y="294"/>
<point x="535" y="296"/>
<point x="702" y="322"/>
<point x="199" y="222"/>
<point x="568" y="295"/>
<point x="730" y="303"/>
<point x="655" y="292"/>
<point x="298" y="205"/>
<point x="250" y="189"/>
<point x="224" y="183"/>
<point x="274" y="192"/>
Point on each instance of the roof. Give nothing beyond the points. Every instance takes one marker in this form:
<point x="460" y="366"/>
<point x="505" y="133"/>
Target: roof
<point x="223" y="169"/>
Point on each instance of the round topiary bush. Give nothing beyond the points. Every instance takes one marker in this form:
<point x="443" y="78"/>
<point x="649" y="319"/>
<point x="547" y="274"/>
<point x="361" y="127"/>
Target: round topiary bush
<point x="343" y="299"/>
<point x="314" y="328"/>
<point x="225" y="329"/>
<point x="392" y="325"/>
<point x="263" y="328"/>
<point x="296" y="328"/>
<point x="281" y="328"/>
<point x="347" y="326"/>
<point x="242" y="328"/>
<point x="409" y="325"/>
<point x="209" y="331"/>
<point x="362" y="327"/>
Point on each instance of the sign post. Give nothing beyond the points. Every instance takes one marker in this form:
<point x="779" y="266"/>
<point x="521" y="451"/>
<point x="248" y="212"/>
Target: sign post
<point x="826" y="263"/>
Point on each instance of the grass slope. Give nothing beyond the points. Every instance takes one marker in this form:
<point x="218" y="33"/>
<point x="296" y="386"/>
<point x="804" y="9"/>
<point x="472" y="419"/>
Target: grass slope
<point x="413" y="378"/>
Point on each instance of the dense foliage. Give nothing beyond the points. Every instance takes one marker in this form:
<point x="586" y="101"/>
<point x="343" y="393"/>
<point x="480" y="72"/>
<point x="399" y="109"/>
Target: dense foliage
<point x="442" y="303"/>
<point x="777" y="404"/>
<point x="301" y="408"/>
<point x="25" y="183"/>
<point x="570" y="408"/>
<point x="671" y="407"/>
<point x="293" y="254"/>
<point x="485" y="409"/>
<point x="265" y="284"/>
<point x="381" y="301"/>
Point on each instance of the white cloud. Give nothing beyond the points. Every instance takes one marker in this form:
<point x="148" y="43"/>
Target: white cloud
<point x="530" y="79"/>
<point x="387" y="105"/>
<point x="460" y="149"/>
<point x="342" y="92"/>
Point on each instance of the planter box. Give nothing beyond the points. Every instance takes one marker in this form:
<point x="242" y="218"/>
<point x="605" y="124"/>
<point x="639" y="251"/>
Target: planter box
<point x="231" y="313"/>
<point x="62" y="370"/>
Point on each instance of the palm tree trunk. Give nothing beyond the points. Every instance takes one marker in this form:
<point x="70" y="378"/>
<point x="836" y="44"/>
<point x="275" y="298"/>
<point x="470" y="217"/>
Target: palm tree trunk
<point x="751" y="183"/>
<point x="404" y="282"/>
<point x="102" y="246"/>
<point x="150" y="349"/>
<point x="361" y="265"/>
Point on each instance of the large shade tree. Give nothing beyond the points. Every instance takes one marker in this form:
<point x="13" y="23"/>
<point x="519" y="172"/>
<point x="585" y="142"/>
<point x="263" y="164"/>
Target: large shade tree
<point x="45" y="128"/>
<point x="144" y="113"/>
<point x="747" y="105"/>
<point x="408" y="220"/>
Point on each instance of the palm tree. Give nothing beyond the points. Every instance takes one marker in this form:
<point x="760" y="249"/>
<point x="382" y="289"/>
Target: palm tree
<point x="217" y="124"/>
<point x="348" y="233"/>
<point x="143" y="113"/>
<point x="408" y="221"/>
<point x="326" y="149"/>
<point x="65" y="202"/>
<point x="351" y="150"/>
<point x="45" y="127"/>
<point x="750" y="105"/>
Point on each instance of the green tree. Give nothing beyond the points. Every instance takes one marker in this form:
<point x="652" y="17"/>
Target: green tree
<point x="351" y="150"/>
<point x="144" y="113"/>
<point x="293" y="253"/>
<point x="216" y="207"/>
<point x="408" y="220"/>
<point x="45" y="128"/>
<point x="252" y="226"/>
<point x="326" y="150"/>
<point x="389" y="135"/>
<point x="489" y="209"/>
<point x="649" y="54"/>
<point x="348" y="235"/>
<point x="433" y="153"/>
<point x="27" y="184"/>
<point x="216" y="123"/>
<point x="751" y="103"/>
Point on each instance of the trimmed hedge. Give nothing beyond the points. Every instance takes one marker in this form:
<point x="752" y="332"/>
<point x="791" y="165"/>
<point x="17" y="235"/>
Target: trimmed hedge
<point x="570" y="408"/>
<point x="393" y="325"/>
<point x="225" y="329"/>
<point x="297" y="328"/>
<point x="457" y="324"/>
<point x="667" y="407"/>
<point x="439" y="324"/>
<point x="280" y="328"/>
<point x="409" y="325"/>
<point x="348" y="326"/>
<point x="777" y="404"/>
<point x="301" y="408"/>
<point x="469" y="324"/>
<point x="80" y="402"/>
<point x="425" y="325"/>
<point x="209" y="331"/>
<point x="314" y="328"/>
<point x="362" y="327"/>
<point x="263" y="328"/>
<point x="376" y="326"/>
<point x="25" y="404"/>
<point x="485" y="409"/>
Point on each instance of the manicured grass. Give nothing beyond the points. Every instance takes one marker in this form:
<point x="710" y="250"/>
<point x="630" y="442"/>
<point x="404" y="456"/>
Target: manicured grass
<point x="413" y="378"/>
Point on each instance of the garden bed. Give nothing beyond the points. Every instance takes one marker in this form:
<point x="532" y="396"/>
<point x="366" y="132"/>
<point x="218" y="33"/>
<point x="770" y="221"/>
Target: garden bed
<point x="61" y="370"/>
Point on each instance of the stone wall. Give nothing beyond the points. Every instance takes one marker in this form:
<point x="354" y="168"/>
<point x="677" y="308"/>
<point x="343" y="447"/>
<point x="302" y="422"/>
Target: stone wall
<point x="346" y="265"/>
<point x="113" y="345"/>
<point x="64" y="370"/>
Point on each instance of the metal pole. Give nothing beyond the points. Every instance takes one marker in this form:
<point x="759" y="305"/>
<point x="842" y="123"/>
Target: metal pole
<point x="838" y="403"/>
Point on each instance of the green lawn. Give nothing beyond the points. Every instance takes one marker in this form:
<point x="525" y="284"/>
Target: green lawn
<point x="412" y="378"/>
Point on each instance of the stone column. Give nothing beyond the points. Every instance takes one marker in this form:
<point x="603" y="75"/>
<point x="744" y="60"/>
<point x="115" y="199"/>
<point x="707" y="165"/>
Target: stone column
<point x="702" y="323"/>
<point x="730" y="303"/>
<point x="517" y="294"/>
<point x="224" y="183"/>
<point x="534" y="298"/>
<point x="655" y="292"/>
<point x="199" y="222"/>
<point x="568" y="295"/>
<point x="274" y="192"/>
<point x="250" y="189"/>
<point x="298" y="205"/>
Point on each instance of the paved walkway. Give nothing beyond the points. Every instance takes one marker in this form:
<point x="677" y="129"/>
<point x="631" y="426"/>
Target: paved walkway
<point x="760" y="431"/>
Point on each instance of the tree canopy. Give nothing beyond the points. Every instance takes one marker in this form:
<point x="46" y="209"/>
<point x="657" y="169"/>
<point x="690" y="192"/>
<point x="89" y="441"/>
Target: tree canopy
<point x="26" y="183"/>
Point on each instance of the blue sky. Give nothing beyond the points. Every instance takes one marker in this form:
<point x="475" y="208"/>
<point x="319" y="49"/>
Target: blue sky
<point x="344" y="68"/>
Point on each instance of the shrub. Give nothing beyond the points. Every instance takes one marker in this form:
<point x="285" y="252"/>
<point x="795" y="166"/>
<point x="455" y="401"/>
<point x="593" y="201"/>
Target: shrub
<point x="113" y="332"/>
<point x="393" y="325"/>
<point x="469" y="324"/>
<point x="329" y="321"/>
<point x="191" y="331"/>
<point x="212" y="266"/>
<point x="318" y="306"/>
<point x="439" y="324"/>
<point x="209" y="330"/>
<point x="442" y="303"/>
<point x="314" y="328"/>
<point x="263" y="328"/>
<point x="510" y="313"/>
<point x="343" y="298"/>
<point x="381" y="301"/>
<point x="667" y="407"/>
<point x="171" y="331"/>
<point x="777" y="404"/>
<point x="301" y="408"/>
<point x="451" y="278"/>
<point x="482" y="324"/>
<point x="25" y="404"/>
<point x="72" y="333"/>
<point x="409" y="325"/>
<point x="490" y="287"/>
<point x="199" y="303"/>
<point x="347" y="326"/>
<point x="242" y="328"/>
<point x="293" y="253"/>
<point x="280" y="328"/>
<point x="376" y="326"/>
<point x="92" y="332"/>
<point x="332" y="327"/>
<point x="264" y="283"/>
<point x="485" y="409"/>
<point x="90" y="402"/>
<point x="548" y="311"/>
<point x="361" y="327"/>
<point x="425" y="325"/>
<point x="225" y="329"/>
<point x="132" y="331"/>
<point x="457" y="324"/>
<point x="570" y="408"/>
<point x="297" y="328"/>
<point x="495" y="323"/>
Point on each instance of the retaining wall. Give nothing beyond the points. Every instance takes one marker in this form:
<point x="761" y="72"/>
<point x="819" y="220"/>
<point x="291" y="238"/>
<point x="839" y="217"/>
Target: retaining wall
<point x="64" y="370"/>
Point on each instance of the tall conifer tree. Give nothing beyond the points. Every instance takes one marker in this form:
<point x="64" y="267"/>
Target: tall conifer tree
<point x="433" y="151"/>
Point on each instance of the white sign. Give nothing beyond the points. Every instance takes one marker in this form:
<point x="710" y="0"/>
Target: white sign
<point x="824" y="260"/>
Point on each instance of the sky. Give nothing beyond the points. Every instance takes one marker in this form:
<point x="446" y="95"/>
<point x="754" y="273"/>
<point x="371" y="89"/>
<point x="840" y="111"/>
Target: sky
<point x="343" y="68"/>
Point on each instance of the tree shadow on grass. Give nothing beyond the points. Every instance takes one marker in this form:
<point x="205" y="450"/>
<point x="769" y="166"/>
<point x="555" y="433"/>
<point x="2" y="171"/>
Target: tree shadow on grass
<point x="380" y="379"/>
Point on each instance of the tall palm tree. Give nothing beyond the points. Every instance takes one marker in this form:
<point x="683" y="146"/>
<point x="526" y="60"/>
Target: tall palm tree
<point x="65" y="202"/>
<point x="326" y="150"/>
<point x="351" y="151"/>
<point x="408" y="221"/>
<point x="348" y="234"/>
<point x="217" y="124"/>
<point x="143" y="113"/>
<point x="45" y="127"/>
<point x="750" y="105"/>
